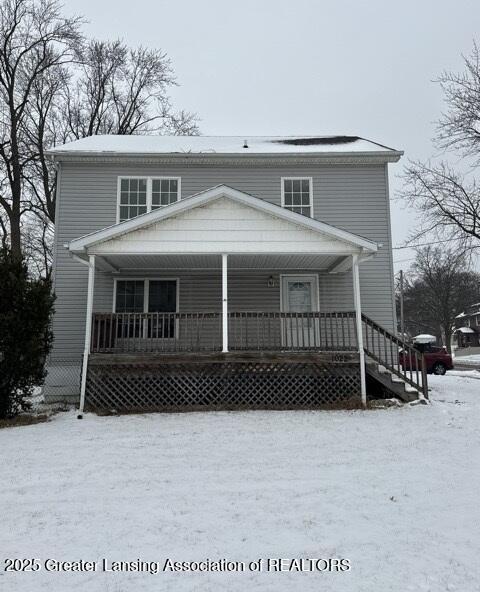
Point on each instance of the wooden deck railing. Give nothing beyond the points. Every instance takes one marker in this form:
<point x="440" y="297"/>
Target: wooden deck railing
<point x="156" y="332"/>
<point x="397" y="356"/>
<point x="197" y="332"/>
<point x="257" y="331"/>
<point x="277" y="331"/>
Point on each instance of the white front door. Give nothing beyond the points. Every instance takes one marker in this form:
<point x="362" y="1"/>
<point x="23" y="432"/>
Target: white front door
<point x="299" y="295"/>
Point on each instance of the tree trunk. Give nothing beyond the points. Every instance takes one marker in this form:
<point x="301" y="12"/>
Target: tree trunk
<point x="15" y="238"/>
<point x="448" y="341"/>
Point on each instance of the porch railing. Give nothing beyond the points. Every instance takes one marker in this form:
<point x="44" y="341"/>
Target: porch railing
<point x="257" y="331"/>
<point x="277" y="331"/>
<point x="197" y="332"/>
<point x="397" y="356"/>
<point x="156" y="332"/>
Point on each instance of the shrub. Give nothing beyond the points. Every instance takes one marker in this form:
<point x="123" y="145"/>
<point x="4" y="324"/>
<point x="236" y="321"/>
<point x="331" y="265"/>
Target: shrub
<point x="26" y="308"/>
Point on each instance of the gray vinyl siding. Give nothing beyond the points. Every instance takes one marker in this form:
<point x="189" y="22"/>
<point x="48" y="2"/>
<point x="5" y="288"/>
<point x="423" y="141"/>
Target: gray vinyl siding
<point x="354" y="198"/>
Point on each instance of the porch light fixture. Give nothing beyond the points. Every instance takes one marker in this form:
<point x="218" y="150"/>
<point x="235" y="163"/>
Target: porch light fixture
<point x="271" y="282"/>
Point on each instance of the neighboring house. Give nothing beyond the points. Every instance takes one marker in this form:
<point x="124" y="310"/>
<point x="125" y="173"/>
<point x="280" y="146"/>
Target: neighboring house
<point x="467" y="327"/>
<point x="218" y="271"/>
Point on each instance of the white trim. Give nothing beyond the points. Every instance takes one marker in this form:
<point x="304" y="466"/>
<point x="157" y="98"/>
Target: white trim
<point x="146" y="280"/>
<point x="83" y="243"/>
<point x="224" y="302"/>
<point x="146" y="296"/>
<point x="316" y="308"/>
<point x="149" y="180"/>
<point x="300" y="276"/>
<point x="56" y="230"/>
<point x="310" y="192"/>
<point x="358" y="319"/>
<point x="340" y="265"/>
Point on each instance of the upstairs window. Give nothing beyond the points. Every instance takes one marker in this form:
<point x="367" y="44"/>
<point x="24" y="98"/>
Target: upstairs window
<point x="133" y="198"/>
<point x="139" y="195"/>
<point x="164" y="192"/>
<point x="297" y="195"/>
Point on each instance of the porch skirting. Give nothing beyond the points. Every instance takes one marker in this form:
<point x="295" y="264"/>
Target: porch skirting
<point x="223" y="381"/>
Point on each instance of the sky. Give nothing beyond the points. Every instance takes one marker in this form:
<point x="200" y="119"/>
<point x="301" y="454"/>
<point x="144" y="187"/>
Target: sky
<point x="274" y="67"/>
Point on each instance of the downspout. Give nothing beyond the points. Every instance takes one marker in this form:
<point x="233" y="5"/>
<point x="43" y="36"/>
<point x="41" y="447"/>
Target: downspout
<point x="88" y="332"/>
<point x="358" y="319"/>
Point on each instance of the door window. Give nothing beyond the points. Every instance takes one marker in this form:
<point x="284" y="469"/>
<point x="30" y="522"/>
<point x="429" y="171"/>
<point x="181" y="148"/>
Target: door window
<point x="300" y="296"/>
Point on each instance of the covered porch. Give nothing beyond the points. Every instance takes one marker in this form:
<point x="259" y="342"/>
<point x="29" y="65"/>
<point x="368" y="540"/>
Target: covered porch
<point x="210" y="303"/>
<point x="224" y="273"/>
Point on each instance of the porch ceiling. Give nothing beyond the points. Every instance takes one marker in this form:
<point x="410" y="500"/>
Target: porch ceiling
<point x="152" y="263"/>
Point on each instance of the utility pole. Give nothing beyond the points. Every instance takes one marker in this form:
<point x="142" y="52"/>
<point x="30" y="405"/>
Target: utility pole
<point x="402" y="324"/>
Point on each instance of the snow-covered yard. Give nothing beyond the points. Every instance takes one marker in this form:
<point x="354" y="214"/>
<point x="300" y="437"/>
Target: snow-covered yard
<point x="473" y="359"/>
<point x="395" y="491"/>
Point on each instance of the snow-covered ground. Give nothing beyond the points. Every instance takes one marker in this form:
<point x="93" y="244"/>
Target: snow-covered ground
<point x="394" y="491"/>
<point x="474" y="359"/>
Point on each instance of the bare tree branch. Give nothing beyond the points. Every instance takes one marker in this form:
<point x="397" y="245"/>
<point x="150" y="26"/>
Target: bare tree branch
<point x="459" y="126"/>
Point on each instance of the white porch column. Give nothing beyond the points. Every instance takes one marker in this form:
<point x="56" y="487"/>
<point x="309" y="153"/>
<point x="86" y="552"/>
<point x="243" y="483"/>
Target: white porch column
<point x="224" y="303"/>
<point x="88" y="330"/>
<point x="358" y="317"/>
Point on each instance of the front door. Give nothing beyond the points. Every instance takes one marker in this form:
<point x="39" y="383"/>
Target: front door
<point x="299" y="295"/>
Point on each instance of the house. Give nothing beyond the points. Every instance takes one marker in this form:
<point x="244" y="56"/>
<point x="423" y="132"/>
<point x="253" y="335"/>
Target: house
<point x="467" y="327"/>
<point x="195" y="272"/>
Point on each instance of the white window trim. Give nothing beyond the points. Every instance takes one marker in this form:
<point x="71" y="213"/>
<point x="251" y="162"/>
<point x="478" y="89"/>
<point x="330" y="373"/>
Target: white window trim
<point x="146" y="290"/>
<point x="309" y="179"/>
<point x="146" y="282"/>
<point x="299" y="277"/>
<point x="149" y="180"/>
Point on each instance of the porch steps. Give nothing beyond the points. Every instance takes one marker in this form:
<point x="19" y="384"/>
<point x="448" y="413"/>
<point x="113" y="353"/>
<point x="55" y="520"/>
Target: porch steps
<point x="393" y="383"/>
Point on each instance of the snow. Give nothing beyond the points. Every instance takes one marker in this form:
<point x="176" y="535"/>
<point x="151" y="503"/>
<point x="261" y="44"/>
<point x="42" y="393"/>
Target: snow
<point x="214" y="145"/>
<point x="395" y="491"/>
<point x="473" y="359"/>
<point x="465" y="330"/>
<point x="424" y="338"/>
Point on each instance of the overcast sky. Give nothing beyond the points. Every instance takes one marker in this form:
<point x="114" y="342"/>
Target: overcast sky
<point x="269" y="67"/>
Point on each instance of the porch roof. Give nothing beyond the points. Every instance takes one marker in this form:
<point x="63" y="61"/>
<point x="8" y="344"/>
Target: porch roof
<point x="222" y="220"/>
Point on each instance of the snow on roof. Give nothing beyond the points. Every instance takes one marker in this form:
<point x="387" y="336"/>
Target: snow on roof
<point x="424" y="338"/>
<point x="222" y="145"/>
<point x="459" y="316"/>
<point x="465" y="330"/>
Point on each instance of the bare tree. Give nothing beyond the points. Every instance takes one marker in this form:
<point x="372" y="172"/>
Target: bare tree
<point x="55" y="88"/>
<point x="449" y="201"/>
<point x="37" y="234"/>
<point x="439" y="286"/>
<point x="112" y="90"/>
<point x="34" y="38"/>
<point x="449" y="204"/>
<point x="459" y="126"/>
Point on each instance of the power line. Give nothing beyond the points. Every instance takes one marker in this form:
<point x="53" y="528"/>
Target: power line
<point x="446" y="240"/>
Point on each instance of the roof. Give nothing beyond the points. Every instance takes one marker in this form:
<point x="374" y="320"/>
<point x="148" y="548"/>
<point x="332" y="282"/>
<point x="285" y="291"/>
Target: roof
<point x="222" y="145"/>
<point x="81" y="244"/>
<point x="465" y="330"/>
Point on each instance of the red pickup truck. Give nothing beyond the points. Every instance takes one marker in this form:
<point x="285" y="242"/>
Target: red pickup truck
<point x="437" y="359"/>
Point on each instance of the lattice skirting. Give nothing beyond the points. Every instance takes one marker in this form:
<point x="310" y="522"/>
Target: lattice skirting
<point x="222" y="385"/>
